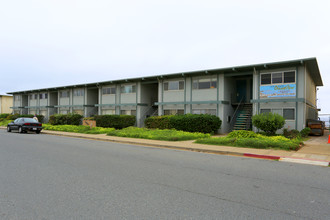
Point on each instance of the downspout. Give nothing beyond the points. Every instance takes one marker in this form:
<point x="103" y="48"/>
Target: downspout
<point x="305" y="96"/>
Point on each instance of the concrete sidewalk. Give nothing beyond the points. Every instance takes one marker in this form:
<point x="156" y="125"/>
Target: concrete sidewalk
<point x="316" y="149"/>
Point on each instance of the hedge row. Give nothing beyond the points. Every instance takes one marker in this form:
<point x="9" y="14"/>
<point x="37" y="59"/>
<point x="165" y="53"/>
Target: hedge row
<point x="65" y="119"/>
<point x="115" y="121"/>
<point x="15" y="116"/>
<point x="190" y="122"/>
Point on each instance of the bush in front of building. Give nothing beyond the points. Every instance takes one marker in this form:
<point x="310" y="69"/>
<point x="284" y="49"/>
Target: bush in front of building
<point x="160" y="122"/>
<point x="268" y="122"/>
<point x="115" y="121"/>
<point x="4" y="115"/>
<point x="65" y="119"/>
<point x="203" y="123"/>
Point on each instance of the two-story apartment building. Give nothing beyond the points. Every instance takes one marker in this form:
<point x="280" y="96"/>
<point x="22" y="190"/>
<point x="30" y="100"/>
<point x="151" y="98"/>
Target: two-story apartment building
<point x="234" y="94"/>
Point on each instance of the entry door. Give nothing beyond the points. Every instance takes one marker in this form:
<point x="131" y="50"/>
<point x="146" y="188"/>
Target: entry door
<point x="241" y="90"/>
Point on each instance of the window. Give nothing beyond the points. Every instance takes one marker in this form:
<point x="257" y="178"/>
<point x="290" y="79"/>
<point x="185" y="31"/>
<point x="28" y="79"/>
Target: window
<point x="43" y="96"/>
<point x="33" y="96"/>
<point x="64" y="94"/>
<point x="265" y="111"/>
<point x="174" y="112"/>
<point x="205" y="83"/>
<point x="278" y="78"/>
<point x="128" y="89"/>
<point x="78" y="92"/>
<point x="174" y="85"/>
<point x="266" y="79"/>
<point x="128" y="112"/>
<point x="204" y="111"/>
<point x="289" y="77"/>
<point x="108" y="112"/>
<point x="17" y="98"/>
<point x="109" y="90"/>
<point x="288" y="113"/>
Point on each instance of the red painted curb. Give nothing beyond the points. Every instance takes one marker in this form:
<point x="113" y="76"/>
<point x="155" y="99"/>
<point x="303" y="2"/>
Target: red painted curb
<point x="262" y="156"/>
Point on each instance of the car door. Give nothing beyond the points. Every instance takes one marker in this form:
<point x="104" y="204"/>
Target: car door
<point x="14" y="125"/>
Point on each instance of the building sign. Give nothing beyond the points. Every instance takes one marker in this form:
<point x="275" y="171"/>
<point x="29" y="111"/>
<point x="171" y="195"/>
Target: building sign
<point x="278" y="91"/>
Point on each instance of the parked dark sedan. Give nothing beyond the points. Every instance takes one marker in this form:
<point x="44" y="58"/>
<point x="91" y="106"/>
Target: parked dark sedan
<point x="24" y="125"/>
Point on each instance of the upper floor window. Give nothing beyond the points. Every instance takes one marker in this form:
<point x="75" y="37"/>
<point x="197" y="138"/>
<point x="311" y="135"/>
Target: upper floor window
<point x="109" y="90"/>
<point x="17" y="98"/>
<point x="209" y="83"/>
<point x="64" y="94"/>
<point x="278" y="78"/>
<point x="128" y="89"/>
<point x="33" y="96"/>
<point x="78" y="92"/>
<point x="174" y="85"/>
<point x="43" y="96"/>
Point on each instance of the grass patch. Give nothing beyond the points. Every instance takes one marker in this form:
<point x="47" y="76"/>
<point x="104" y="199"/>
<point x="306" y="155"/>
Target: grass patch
<point x="259" y="142"/>
<point x="156" y="134"/>
<point x="77" y="129"/>
<point x="4" y="122"/>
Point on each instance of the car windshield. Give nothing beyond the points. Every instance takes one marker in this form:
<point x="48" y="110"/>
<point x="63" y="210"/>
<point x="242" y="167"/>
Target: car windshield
<point x="29" y="120"/>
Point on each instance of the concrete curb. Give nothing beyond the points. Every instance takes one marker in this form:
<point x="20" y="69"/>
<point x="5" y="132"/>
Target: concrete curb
<point x="229" y="153"/>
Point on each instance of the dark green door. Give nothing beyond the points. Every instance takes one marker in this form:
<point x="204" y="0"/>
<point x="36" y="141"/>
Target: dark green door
<point x="241" y="90"/>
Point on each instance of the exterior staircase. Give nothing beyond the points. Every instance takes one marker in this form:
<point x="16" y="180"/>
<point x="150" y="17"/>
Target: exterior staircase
<point x="243" y="119"/>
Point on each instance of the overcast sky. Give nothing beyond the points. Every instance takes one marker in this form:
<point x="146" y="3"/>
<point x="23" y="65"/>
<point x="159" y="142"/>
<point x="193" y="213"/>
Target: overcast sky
<point x="48" y="43"/>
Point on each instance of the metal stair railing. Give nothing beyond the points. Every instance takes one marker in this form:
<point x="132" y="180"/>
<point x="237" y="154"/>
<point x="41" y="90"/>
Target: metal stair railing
<point x="232" y="123"/>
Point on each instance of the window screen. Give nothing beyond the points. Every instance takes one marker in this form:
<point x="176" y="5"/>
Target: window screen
<point x="276" y="78"/>
<point x="288" y="114"/>
<point x="266" y="79"/>
<point x="289" y="77"/>
<point x="264" y="111"/>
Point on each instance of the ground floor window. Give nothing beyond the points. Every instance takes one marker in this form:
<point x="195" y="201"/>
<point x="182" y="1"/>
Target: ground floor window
<point x="78" y="111"/>
<point x="287" y="113"/>
<point x="16" y="111"/>
<point x="128" y="112"/>
<point x="32" y="112"/>
<point x="108" y="111"/>
<point x="205" y="111"/>
<point x="43" y="112"/>
<point x="64" y="111"/>
<point x="174" y="112"/>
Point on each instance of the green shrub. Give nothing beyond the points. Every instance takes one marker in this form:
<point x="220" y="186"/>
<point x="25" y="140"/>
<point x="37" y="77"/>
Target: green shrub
<point x="242" y="134"/>
<point x="268" y="122"/>
<point x="190" y="122"/>
<point x="291" y="134"/>
<point x="115" y="121"/>
<point x="77" y="129"/>
<point x="160" y="122"/>
<point x="65" y="119"/>
<point x="156" y="134"/>
<point x="261" y="142"/>
<point x="5" y="115"/>
<point x="305" y="132"/>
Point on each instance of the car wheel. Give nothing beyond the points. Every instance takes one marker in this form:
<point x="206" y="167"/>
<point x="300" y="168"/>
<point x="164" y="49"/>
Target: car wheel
<point x="20" y="130"/>
<point x="38" y="132"/>
<point x="8" y="129"/>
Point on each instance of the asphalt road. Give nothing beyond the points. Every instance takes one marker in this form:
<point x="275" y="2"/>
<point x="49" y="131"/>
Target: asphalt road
<point x="53" y="177"/>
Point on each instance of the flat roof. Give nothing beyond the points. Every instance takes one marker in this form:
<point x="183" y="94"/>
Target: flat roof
<point x="311" y="65"/>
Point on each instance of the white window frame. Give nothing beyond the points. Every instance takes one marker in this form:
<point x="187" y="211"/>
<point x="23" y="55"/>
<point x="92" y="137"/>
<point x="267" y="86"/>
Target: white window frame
<point x="271" y="110"/>
<point x="210" y="80"/>
<point x="176" y="111"/>
<point x="79" y="92"/>
<point x="123" y="91"/>
<point x="173" y="81"/>
<point x="108" y="90"/>
<point x="282" y="72"/>
<point x="66" y="92"/>
<point x="205" y="109"/>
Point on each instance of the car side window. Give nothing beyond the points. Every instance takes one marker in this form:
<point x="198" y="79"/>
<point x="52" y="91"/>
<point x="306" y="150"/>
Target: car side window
<point x="16" y="120"/>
